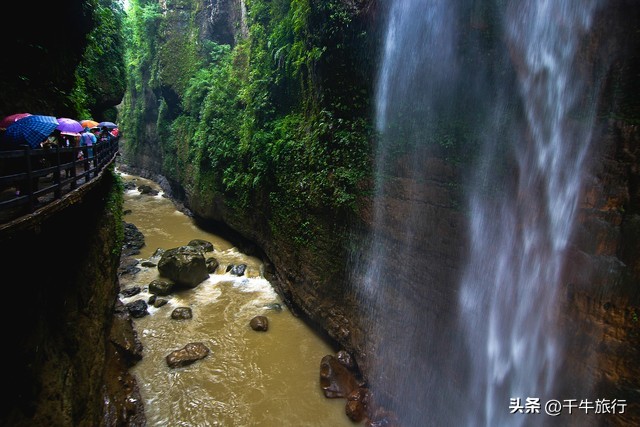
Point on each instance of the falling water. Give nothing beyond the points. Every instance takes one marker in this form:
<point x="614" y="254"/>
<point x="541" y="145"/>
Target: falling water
<point x="459" y="358"/>
<point x="415" y="82"/>
<point x="519" y="239"/>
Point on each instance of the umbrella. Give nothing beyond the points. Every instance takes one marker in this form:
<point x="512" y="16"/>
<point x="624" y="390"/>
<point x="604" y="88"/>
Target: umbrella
<point x="66" y="125"/>
<point x="4" y="123"/>
<point x="30" y="130"/>
<point x="88" y="123"/>
<point x="109" y="125"/>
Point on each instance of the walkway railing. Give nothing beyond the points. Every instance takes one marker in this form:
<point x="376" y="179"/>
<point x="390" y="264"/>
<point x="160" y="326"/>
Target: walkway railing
<point x="33" y="178"/>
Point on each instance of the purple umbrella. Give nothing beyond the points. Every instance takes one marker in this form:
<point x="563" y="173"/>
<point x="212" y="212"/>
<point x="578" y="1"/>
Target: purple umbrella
<point x="69" y="125"/>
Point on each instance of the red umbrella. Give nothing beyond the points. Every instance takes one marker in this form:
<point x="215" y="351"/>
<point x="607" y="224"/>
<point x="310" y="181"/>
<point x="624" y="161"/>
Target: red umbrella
<point x="31" y="130"/>
<point x="4" y="123"/>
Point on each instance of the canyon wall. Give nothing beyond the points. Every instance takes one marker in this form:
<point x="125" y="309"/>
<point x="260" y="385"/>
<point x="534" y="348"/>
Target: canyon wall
<point x="68" y="346"/>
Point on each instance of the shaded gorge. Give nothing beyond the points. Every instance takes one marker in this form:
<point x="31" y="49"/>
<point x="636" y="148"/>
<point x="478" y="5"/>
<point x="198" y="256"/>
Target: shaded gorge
<point x="249" y="378"/>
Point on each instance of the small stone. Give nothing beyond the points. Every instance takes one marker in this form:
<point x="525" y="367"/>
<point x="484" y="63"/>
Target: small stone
<point x="159" y="302"/>
<point x="129" y="292"/>
<point x="212" y="264"/>
<point x="259" y="323"/>
<point x="181" y="313"/>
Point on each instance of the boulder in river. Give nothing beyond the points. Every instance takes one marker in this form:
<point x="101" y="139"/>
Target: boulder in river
<point x="133" y="240"/>
<point x="160" y="287"/>
<point x="203" y="245"/>
<point x="129" y="292"/>
<point x="184" y="265"/>
<point x="237" y="270"/>
<point x="259" y="323"/>
<point x="137" y="308"/>
<point x="212" y="264"/>
<point x="181" y="313"/>
<point x="336" y="380"/>
<point x="148" y="190"/>
<point x="357" y="402"/>
<point x="187" y="355"/>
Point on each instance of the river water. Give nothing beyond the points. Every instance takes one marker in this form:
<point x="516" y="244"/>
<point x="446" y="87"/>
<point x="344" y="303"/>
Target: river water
<point x="249" y="378"/>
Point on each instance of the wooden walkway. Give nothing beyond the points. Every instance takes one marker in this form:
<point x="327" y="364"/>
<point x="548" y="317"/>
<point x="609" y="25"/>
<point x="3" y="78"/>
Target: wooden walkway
<point x="31" y="179"/>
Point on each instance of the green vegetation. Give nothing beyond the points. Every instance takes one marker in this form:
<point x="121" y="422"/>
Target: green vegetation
<point x="279" y="122"/>
<point x="64" y="60"/>
<point x="114" y="205"/>
<point x="100" y="76"/>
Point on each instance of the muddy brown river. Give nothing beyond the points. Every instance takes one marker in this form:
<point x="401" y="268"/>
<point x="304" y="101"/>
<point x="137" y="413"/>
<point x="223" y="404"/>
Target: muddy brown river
<point x="249" y="378"/>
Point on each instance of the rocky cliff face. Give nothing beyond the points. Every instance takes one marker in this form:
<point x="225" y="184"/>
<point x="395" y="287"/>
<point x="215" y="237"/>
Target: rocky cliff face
<point x="68" y="353"/>
<point x="602" y="275"/>
<point x="602" y="293"/>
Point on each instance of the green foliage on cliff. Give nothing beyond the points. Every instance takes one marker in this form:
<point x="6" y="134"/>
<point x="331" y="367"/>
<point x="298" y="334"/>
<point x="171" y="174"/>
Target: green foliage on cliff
<point x="100" y="76"/>
<point x="114" y="205"/>
<point x="277" y="122"/>
<point x="142" y="26"/>
<point x="62" y="59"/>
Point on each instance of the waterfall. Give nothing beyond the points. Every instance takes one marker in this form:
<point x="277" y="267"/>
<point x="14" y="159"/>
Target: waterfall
<point x="519" y="239"/>
<point x="459" y="357"/>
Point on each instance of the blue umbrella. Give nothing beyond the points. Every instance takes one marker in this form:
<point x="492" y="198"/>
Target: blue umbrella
<point x="109" y="125"/>
<point x="31" y="130"/>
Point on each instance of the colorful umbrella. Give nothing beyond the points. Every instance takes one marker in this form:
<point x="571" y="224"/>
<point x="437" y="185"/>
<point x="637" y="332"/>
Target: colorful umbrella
<point x="66" y="125"/>
<point x="30" y="130"/>
<point x="89" y="123"/>
<point x="7" y="121"/>
<point x="109" y="125"/>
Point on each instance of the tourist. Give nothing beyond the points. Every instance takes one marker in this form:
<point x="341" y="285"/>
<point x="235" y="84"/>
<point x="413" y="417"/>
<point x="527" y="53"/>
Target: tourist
<point x="105" y="135"/>
<point x="88" y="139"/>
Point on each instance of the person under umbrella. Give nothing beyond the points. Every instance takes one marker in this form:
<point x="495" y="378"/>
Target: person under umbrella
<point x="88" y="139"/>
<point x="109" y="125"/>
<point x="105" y="135"/>
<point x="54" y="140"/>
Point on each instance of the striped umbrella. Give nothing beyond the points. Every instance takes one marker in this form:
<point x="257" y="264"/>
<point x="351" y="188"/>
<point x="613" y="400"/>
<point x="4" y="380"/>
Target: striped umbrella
<point x="31" y="130"/>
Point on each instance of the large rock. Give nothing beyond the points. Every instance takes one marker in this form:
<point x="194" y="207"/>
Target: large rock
<point x="184" y="265"/>
<point x="137" y="308"/>
<point x="203" y="245"/>
<point x="133" y="240"/>
<point x="187" y="355"/>
<point x="124" y="337"/>
<point x="335" y="379"/>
